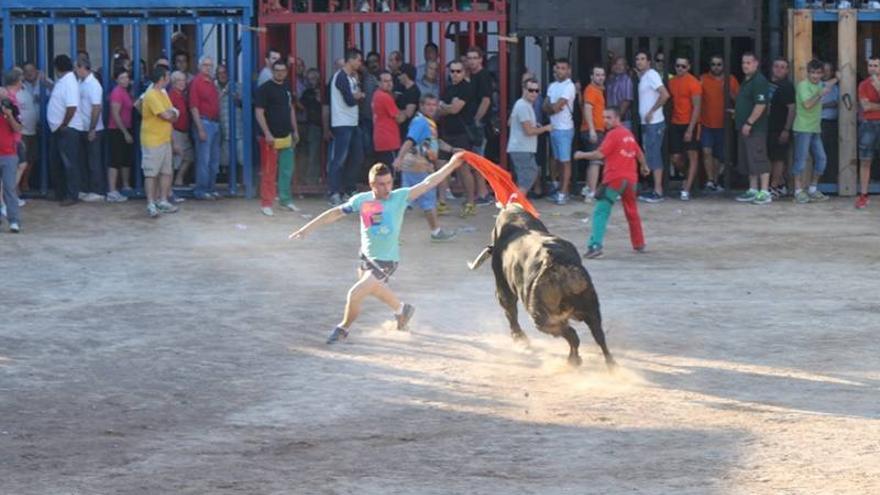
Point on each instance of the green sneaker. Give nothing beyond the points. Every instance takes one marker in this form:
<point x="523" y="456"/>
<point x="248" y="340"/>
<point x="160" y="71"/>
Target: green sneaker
<point x="748" y="196"/>
<point x="817" y="196"/>
<point x="762" y="198"/>
<point x="801" y="197"/>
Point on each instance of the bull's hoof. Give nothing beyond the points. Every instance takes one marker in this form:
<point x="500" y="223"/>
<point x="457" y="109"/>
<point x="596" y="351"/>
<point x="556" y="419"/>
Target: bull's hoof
<point x="575" y="360"/>
<point x="611" y="363"/>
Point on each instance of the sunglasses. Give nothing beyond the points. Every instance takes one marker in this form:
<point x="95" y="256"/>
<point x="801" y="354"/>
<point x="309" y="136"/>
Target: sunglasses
<point x="681" y="66"/>
<point x="454" y="71"/>
<point x="716" y="64"/>
<point x="533" y="90"/>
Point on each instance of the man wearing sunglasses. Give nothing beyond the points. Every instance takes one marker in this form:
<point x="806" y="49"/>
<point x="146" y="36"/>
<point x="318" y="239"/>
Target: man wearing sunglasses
<point x="687" y="96"/>
<point x="712" y="112"/>
<point x="524" y="131"/>
<point x="457" y="108"/>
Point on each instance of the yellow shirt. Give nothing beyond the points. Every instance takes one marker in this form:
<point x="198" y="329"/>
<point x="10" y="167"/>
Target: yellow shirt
<point x="155" y="130"/>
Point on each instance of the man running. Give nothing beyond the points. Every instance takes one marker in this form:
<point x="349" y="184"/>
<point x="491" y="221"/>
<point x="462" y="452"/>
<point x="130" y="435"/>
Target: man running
<point x="381" y="211"/>
<point x="620" y="151"/>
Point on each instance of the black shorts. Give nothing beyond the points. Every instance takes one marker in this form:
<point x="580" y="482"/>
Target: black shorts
<point x="21" y="151"/>
<point x="381" y="269"/>
<point x="677" y="143"/>
<point x="777" y="151"/>
<point x="121" y="153"/>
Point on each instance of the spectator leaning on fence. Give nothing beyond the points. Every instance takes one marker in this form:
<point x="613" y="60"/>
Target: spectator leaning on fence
<point x="750" y="120"/>
<point x="276" y="117"/>
<point x="593" y="126"/>
<point x="714" y="111"/>
<point x="869" y="130"/>
<point x="652" y="96"/>
<point x="808" y="132"/>
<point x="91" y="97"/>
<point x="204" y="106"/>
<point x="559" y="105"/>
<point x="10" y="127"/>
<point x="181" y="142"/>
<point x="347" y="153"/>
<point x="121" y="142"/>
<point x="65" y="127"/>
<point x="156" y="151"/>
<point x="687" y="99"/>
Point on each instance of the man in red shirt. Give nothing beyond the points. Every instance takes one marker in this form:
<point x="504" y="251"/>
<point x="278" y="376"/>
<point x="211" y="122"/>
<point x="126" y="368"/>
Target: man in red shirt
<point x="204" y="104"/>
<point x="620" y="151"/>
<point x="180" y="141"/>
<point x="386" y="120"/>
<point x="10" y="129"/>
<point x="869" y="131"/>
<point x="684" y="135"/>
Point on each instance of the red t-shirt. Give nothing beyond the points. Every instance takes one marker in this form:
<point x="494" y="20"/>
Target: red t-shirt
<point x="867" y="91"/>
<point x="179" y="102"/>
<point x="7" y="138"/>
<point x="386" y="133"/>
<point x="620" y="150"/>
<point x="203" y="96"/>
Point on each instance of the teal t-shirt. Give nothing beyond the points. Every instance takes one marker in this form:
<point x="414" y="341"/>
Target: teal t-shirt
<point x="807" y="119"/>
<point x="380" y="223"/>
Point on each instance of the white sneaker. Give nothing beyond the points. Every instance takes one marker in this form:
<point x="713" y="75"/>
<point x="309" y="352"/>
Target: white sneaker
<point x="82" y="196"/>
<point x="365" y="6"/>
<point x="21" y="203"/>
<point x="685" y="196"/>
<point x="385" y="7"/>
<point x="92" y="198"/>
<point x="267" y="210"/>
<point x="292" y="207"/>
<point x="14" y="228"/>
<point x="586" y="191"/>
<point x="2" y="210"/>
<point x="116" y="197"/>
<point x="449" y="196"/>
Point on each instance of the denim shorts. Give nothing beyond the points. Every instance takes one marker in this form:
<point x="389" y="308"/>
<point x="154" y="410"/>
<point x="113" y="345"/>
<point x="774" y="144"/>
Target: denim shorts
<point x="869" y="138"/>
<point x="425" y="202"/>
<point x="526" y="169"/>
<point x="712" y="138"/>
<point x="652" y="141"/>
<point x="560" y="142"/>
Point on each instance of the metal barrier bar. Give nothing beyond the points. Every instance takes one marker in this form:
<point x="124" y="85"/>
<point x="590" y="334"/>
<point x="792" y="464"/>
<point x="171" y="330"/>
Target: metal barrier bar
<point x="231" y="88"/>
<point x="138" y="77"/>
<point x="42" y="65"/>
<point x="247" y="111"/>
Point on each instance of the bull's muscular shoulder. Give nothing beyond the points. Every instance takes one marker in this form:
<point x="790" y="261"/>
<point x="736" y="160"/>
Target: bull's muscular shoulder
<point x="514" y="215"/>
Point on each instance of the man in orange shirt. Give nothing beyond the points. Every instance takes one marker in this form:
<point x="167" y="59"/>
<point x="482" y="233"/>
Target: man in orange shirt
<point x="713" y="108"/>
<point x="686" y="94"/>
<point x="593" y="127"/>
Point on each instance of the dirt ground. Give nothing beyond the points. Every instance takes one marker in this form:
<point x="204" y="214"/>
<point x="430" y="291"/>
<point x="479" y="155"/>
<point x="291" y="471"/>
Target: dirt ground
<point x="187" y="356"/>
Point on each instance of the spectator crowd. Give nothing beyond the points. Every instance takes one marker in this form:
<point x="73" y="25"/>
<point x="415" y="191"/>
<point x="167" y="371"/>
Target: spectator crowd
<point x="178" y="121"/>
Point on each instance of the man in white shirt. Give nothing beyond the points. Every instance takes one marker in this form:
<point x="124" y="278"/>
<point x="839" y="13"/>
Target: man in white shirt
<point x="560" y="106"/>
<point x="272" y="56"/>
<point x="65" y="127"/>
<point x="91" y="96"/>
<point x="347" y="148"/>
<point x="652" y="96"/>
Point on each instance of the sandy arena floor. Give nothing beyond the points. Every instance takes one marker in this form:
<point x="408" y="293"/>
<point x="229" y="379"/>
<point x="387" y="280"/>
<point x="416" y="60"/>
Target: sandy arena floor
<point x="187" y="356"/>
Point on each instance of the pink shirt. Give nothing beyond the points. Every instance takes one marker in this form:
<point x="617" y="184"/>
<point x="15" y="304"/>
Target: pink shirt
<point x="121" y="96"/>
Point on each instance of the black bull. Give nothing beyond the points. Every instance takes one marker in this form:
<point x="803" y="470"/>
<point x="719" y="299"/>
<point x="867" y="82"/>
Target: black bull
<point x="545" y="273"/>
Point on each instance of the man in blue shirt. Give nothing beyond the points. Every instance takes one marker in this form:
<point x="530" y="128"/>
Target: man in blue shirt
<point x="381" y="213"/>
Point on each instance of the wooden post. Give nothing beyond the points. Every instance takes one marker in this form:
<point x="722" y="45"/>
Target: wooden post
<point x="847" y="54"/>
<point x="802" y="42"/>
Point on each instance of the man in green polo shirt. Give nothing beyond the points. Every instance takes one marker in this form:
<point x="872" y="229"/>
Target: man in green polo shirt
<point x="751" y="122"/>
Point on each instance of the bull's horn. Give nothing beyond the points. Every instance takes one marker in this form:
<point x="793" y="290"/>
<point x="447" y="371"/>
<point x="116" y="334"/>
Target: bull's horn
<point x="483" y="256"/>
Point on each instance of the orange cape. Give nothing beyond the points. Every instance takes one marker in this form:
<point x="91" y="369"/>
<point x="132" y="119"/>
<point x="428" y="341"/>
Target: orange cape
<point x="500" y="182"/>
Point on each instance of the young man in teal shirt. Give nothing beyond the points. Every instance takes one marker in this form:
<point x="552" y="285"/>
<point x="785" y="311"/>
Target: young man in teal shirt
<point x="381" y="213"/>
<point x="808" y="132"/>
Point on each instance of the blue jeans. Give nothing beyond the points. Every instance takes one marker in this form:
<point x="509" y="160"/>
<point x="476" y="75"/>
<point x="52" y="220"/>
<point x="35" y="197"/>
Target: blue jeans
<point x="8" y="171"/>
<point x="65" y="163"/>
<point x="346" y="159"/>
<point x="652" y="140"/>
<point x="207" y="157"/>
<point x="812" y="142"/>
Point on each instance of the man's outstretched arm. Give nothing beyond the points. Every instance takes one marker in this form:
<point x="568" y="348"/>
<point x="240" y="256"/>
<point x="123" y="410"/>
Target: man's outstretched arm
<point x="437" y="177"/>
<point x="329" y="216"/>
